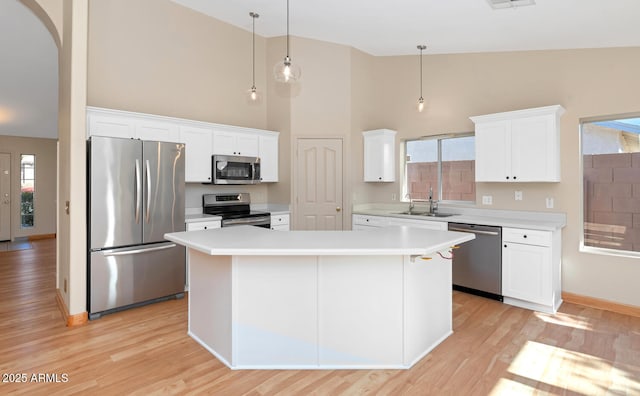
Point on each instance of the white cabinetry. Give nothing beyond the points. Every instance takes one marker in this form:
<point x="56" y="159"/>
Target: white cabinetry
<point x="202" y="139"/>
<point x="235" y="143"/>
<point x="518" y="146"/>
<point x="198" y="143"/>
<point x="379" y="155"/>
<point x="121" y="124"/>
<point x="198" y="226"/>
<point x="367" y="222"/>
<point x="280" y="222"/>
<point x="149" y="129"/>
<point x="531" y="269"/>
<point x="203" y="225"/>
<point x="268" y="153"/>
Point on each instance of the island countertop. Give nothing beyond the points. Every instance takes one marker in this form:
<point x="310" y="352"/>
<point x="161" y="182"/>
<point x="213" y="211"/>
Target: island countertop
<point x="257" y="241"/>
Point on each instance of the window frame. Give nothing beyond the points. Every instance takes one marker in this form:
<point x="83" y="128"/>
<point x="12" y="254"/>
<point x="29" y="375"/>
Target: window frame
<point x="582" y="248"/>
<point x="439" y="139"/>
<point x="33" y="193"/>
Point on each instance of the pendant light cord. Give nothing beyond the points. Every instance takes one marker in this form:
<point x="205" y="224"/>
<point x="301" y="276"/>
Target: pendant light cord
<point x="253" y="45"/>
<point x="287" y="28"/>
<point x="421" y="72"/>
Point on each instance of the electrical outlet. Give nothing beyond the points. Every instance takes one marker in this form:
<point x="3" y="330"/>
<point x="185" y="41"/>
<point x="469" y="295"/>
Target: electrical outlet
<point x="394" y="197"/>
<point x="549" y="203"/>
<point x="487" y="200"/>
<point x="518" y="196"/>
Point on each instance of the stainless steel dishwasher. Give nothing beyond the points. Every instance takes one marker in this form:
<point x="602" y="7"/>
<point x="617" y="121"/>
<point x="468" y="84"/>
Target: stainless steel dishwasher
<point x="477" y="264"/>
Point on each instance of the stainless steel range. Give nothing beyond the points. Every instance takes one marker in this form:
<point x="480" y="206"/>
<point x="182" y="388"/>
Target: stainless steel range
<point x="235" y="210"/>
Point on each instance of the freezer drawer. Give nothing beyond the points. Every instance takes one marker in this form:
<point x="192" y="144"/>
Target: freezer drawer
<point x="121" y="277"/>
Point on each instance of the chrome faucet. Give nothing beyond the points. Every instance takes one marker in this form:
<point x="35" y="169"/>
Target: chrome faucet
<point x="411" y="203"/>
<point x="433" y="205"/>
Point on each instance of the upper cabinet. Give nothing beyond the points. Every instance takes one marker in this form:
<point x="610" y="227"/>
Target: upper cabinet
<point x="198" y="143"/>
<point x="201" y="139"/>
<point x="379" y="155"/>
<point x="121" y="124"/>
<point x="518" y="146"/>
<point x="234" y="143"/>
<point x="268" y="153"/>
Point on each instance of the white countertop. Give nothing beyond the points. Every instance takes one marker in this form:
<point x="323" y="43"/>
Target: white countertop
<point x="254" y="241"/>
<point x="544" y="221"/>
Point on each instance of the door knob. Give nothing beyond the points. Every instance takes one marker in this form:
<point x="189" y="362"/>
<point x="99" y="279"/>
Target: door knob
<point x="338" y="209"/>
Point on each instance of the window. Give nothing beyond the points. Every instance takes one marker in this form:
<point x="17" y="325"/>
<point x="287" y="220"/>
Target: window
<point x="611" y="184"/>
<point x="27" y="189"/>
<point x="445" y="164"/>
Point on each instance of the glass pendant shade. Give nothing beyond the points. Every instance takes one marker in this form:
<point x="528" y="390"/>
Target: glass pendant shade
<point x="287" y="71"/>
<point x="420" y="104"/>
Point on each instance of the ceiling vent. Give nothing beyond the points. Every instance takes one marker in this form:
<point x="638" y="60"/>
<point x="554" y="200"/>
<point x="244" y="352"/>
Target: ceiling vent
<point x="499" y="4"/>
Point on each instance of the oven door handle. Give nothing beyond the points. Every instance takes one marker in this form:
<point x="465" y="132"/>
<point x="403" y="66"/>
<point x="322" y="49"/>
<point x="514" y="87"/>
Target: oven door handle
<point x="249" y="221"/>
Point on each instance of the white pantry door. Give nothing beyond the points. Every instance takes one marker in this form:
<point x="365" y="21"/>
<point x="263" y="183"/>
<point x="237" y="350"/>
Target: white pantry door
<point x="319" y="184"/>
<point x="5" y="196"/>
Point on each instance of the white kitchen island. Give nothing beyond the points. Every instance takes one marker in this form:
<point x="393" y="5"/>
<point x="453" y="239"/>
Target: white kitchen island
<point x="263" y="299"/>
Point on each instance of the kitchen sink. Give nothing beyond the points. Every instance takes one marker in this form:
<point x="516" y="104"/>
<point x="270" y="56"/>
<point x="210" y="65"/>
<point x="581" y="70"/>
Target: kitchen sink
<point x="437" y="214"/>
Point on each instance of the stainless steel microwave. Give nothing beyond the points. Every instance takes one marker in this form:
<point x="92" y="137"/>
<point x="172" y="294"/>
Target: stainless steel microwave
<point x="235" y="169"/>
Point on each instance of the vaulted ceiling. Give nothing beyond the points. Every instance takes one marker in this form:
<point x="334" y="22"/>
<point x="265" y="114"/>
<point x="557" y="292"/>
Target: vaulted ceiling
<point x="29" y="67"/>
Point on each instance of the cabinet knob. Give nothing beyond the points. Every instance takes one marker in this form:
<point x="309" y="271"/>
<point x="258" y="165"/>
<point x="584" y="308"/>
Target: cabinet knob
<point x="507" y="177"/>
<point x="505" y="245"/>
<point x="379" y="178"/>
<point x="205" y="227"/>
<point x="514" y="178"/>
<point x="338" y="209"/>
<point x="525" y="236"/>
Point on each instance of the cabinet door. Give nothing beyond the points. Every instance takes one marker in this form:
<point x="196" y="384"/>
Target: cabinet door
<point x="157" y="131"/>
<point x="268" y="158"/>
<point x="379" y="156"/>
<point x="111" y="126"/>
<point x="493" y="151"/>
<point x="224" y="143"/>
<point x="526" y="272"/>
<point x="534" y="147"/>
<point x="247" y="144"/>
<point x="198" y="142"/>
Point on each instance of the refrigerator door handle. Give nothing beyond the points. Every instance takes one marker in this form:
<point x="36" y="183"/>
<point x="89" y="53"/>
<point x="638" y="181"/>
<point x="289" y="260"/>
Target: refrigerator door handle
<point x="124" y="252"/>
<point x="138" y="191"/>
<point x="148" y="189"/>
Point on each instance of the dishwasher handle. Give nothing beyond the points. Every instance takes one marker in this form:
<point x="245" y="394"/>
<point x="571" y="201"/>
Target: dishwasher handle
<point x="479" y="232"/>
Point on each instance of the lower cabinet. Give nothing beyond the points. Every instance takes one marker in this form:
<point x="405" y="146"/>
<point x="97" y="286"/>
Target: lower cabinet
<point x="531" y="269"/>
<point x="367" y="222"/>
<point x="197" y="226"/>
<point x="280" y="222"/>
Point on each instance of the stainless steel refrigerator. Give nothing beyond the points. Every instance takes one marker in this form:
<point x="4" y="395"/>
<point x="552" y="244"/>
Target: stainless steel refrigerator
<point x="136" y="195"/>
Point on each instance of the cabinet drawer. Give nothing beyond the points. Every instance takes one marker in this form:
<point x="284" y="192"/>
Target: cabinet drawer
<point x="203" y="225"/>
<point x="529" y="237"/>
<point x="371" y="221"/>
<point x="278" y="220"/>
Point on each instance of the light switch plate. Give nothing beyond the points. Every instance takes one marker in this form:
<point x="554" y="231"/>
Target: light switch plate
<point x="487" y="200"/>
<point x="518" y="196"/>
<point x="549" y="203"/>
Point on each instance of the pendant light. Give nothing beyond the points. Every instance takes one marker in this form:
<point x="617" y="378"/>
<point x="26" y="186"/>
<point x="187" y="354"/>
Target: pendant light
<point x="421" y="47"/>
<point x="253" y="94"/>
<point x="286" y="71"/>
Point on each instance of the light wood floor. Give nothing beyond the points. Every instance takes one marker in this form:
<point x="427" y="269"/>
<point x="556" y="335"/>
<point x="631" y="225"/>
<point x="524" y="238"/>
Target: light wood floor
<point x="495" y="349"/>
